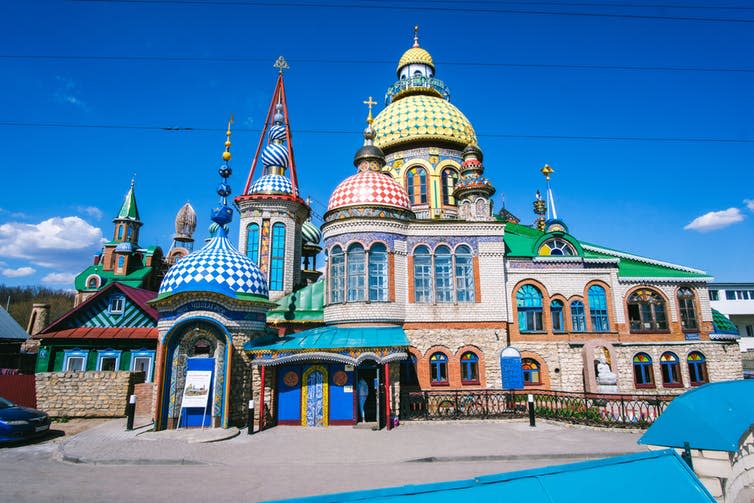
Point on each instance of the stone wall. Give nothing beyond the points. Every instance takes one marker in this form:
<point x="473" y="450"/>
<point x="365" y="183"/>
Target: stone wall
<point x="144" y="399"/>
<point x="85" y="394"/>
<point x="739" y="488"/>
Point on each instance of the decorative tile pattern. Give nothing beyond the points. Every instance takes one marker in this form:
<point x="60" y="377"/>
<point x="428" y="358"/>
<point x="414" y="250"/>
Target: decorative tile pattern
<point x="369" y="188"/>
<point x="275" y="154"/>
<point x="310" y="233"/>
<point x="272" y="184"/>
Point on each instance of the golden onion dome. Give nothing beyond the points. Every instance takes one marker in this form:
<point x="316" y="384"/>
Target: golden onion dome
<point x="416" y="55"/>
<point x="420" y="117"/>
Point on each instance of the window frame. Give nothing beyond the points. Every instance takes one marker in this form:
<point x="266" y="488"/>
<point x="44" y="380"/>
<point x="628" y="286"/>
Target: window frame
<point x="697" y="367"/>
<point x="673" y="370"/>
<point x="599" y="310"/>
<point x="252" y="248"/>
<point x="117" y="305"/>
<point x="356" y="272"/>
<point x="337" y="274"/>
<point x="443" y="275"/>
<point x="441" y="362"/>
<point x="75" y="354"/>
<point x="524" y="312"/>
<point x="378" y="272"/>
<point x="143" y="353"/>
<point x="646" y="306"/>
<point x="103" y="354"/>
<point x="472" y="365"/>
<point x="448" y="174"/>
<point x="687" y="309"/>
<point x="648" y="367"/>
<point x="464" y="274"/>
<point x="581" y="328"/>
<point x="425" y="275"/>
<point x="417" y="178"/>
<point x="559" y="308"/>
<point x="277" y="256"/>
<point x="528" y="371"/>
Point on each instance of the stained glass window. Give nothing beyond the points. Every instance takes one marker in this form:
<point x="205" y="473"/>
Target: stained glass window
<point x="356" y="273"/>
<point x="337" y="274"/>
<point x="469" y="368"/>
<point x="449" y="180"/>
<point x="642" y="370"/>
<point x="598" y="309"/>
<point x="531" y="370"/>
<point x="578" y="318"/>
<point x="443" y="275"/>
<point x="438" y="367"/>
<point x="671" y="370"/>
<point x="416" y="185"/>
<point x="529" y="302"/>
<point x="378" y="273"/>
<point x="464" y="274"/>
<point x="252" y="242"/>
<point x="686" y="305"/>
<point x="277" y="257"/>
<point x="646" y="311"/>
<point x="697" y="368"/>
<point x="422" y="275"/>
<point x="557" y="247"/>
<point x="556" y="311"/>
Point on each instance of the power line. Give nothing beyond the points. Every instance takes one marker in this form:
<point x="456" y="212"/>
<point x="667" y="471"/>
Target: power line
<point x="596" y="4"/>
<point x="425" y="9"/>
<point x="179" y="129"/>
<point x="225" y="59"/>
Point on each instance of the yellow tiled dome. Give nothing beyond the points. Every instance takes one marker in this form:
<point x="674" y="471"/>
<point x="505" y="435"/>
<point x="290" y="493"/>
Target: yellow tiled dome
<point x="422" y="117"/>
<point x="416" y="55"/>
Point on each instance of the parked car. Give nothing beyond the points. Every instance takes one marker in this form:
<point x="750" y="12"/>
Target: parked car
<point x="21" y="423"/>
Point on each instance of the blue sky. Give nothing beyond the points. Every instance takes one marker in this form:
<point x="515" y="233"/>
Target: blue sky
<point x="64" y="184"/>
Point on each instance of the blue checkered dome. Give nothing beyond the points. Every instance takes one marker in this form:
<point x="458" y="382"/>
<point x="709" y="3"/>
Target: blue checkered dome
<point x="272" y="184"/>
<point x="217" y="267"/>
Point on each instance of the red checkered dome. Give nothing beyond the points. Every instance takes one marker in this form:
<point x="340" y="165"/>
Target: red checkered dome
<point x="369" y="188"/>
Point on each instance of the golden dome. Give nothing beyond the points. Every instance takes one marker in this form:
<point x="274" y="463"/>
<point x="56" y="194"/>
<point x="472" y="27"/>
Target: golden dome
<point x="422" y="117"/>
<point x="416" y="55"/>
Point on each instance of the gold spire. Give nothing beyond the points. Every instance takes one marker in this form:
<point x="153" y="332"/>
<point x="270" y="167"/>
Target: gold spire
<point x="370" y="103"/>
<point x="547" y="171"/>
<point x="281" y="64"/>
<point x="416" y="35"/>
<point x="226" y="154"/>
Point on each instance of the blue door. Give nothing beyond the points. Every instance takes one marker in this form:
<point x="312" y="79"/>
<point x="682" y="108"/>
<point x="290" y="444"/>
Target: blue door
<point x="315" y="399"/>
<point x="192" y="416"/>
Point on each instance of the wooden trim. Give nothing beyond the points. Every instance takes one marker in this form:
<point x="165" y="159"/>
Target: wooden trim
<point x="391" y="277"/>
<point x="410" y="275"/>
<point x="477" y="286"/>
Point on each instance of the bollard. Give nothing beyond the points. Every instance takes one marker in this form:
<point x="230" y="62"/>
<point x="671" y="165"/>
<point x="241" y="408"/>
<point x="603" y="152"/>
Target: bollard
<point x="531" y="410"/>
<point x="130" y="412"/>
<point x="250" y="422"/>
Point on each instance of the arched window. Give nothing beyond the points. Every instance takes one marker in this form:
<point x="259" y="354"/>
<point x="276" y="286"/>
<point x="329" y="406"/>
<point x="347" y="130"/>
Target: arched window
<point x="532" y="374"/>
<point x="337" y="274"/>
<point x="557" y="247"/>
<point x="443" y="275"/>
<point x="252" y="242"/>
<point x="469" y="368"/>
<point x="556" y="311"/>
<point x="422" y="275"/>
<point x="643" y="374"/>
<point x="416" y="185"/>
<point x="529" y="302"/>
<point x="438" y="368"/>
<point x="686" y="305"/>
<point x="464" y="274"/>
<point x="646" y="311"/>
<point x="356" y="273"/>
<point x="598" y="309"/>
<point x="449" y="180"/>
<point x="91" y="282"/>
<point x="578" y="318"/>
<point x="120" y="232"/>
<point x="697" y="368"/>
<point x="121" y="261"/>
<point x="671" y="369"/>
<point x="378" y="273"/>
<point x="277" y="257"/>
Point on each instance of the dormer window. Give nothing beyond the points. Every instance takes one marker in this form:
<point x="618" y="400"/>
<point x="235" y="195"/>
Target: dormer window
<point x="117" y="304"/>
<point x="557" y="247"/>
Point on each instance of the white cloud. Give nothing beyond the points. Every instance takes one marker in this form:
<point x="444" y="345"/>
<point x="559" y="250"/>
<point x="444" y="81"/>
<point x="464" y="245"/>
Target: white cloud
<point x="59" y="278"/>
<point x="715" y="220"/>
<point x="92" y="211"/>
<point x="66" y="92"/>
<point x="13" y="214"/>
<point x="55" y="242"/>
<point x="19" y="272"/>
<point x="749" y="204"/>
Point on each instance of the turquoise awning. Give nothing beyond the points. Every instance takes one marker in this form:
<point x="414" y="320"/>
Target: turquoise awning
<point x="345" y="344"/>
<point x="712" y="417"/>
<point x="620" y="479"/>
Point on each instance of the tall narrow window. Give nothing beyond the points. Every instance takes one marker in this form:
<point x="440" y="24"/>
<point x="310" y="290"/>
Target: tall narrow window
<point x="277" y="257"/>
<point x="556" y="311"/>
<point x="598" y="309"/>
<point x="449" y="180"/>
<point x="378" y="273"/>
<point x="422" y="275"/>
<point x="646" y="311"/>
<point x="697" y="368"/>
<point x="529" y="303"/>
<point x="532" y="374"/>
<point x="443" y="275"/>
<point x="578" y="318"/>
<point x="469" y="368"/>
<point x="686" y="305"/>
<point x="464" y="274"/>
<point x="438" y="367"/>
<point x="337" y="274"/>
<point x="416" y="185"/>
<point x="356" y="273"/>
<point x="643" y="371"/>
<point x="121" y="262"/>
<point x="252" y="242"/>
<point x="671" y="369"/>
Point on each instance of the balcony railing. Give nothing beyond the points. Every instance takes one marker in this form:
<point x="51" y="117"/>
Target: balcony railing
<point x="418" y="82"/>
<point x="610" y="410"/>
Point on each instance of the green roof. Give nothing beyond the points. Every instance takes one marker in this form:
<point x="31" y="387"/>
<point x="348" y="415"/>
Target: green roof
<point x="722" y="323"/>
<point x="129" y="211"/>
<point x="330" y="338"/>
<point x="302" y="306"/>
<point x="520" y="241"/>
<point x="134" y="279"/>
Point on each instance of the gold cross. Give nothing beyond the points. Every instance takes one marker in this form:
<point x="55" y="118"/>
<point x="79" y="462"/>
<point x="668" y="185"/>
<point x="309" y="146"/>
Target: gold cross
<point x="281" y="64"/>
<point x="370" y="103"/>
<point x="547" y="171"/>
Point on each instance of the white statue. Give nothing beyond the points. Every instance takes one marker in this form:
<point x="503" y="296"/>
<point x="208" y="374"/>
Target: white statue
<point x="605" y="376"/>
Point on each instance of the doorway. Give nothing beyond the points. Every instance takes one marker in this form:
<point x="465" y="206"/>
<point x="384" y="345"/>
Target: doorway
<point x="374" y="403"/>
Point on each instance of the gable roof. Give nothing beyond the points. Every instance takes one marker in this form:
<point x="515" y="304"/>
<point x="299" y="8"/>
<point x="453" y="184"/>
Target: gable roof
<point x="306" y="305"/>
<point x="616" y="479"/>
<point x="138" y="296"/>
<point x="713" y="416"/>
<point x="10" y="330"/>
<point x="135" y="278"/>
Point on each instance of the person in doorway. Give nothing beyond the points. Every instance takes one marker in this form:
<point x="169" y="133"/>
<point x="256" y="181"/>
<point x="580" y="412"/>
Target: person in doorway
<point x="363" y="392"/>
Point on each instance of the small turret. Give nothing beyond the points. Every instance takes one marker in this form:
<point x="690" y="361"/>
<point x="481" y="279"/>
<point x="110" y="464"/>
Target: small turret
<point x="473" y="191"/>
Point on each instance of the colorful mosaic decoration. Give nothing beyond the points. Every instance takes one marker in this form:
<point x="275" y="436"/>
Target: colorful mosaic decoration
<point x="369" y="188"/>
<point x="416" y="55"/>
<point x="272" y="184"/>
<point x="339" y="378"/>
<point x="291" y="379"/>
<point x="315" y="397"/>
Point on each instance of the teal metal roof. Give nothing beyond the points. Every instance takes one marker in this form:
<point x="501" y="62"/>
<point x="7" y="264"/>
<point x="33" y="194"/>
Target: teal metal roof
<point x="712" y="417"/>
<point x="722" y="323"/>
<point x="621" y="479"/>
<point x="10" y="330"/>
<point x="302" y="306"/>
<point x="331" y="337"/>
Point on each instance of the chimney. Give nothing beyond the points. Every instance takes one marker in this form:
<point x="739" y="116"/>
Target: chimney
<point x="39" y="319"/>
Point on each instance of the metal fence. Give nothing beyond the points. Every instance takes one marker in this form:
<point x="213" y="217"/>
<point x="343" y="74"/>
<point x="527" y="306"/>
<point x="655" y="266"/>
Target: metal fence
<point x="624" y="411"/>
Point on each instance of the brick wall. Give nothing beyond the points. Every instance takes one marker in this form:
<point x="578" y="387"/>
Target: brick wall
<point x="144" y="399"/>
<point x="85" y="394"/>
